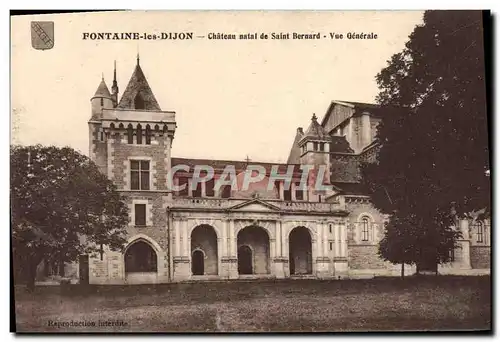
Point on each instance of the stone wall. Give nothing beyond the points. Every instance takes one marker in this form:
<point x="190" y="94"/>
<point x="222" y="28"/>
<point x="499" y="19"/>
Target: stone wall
<point x="344" y="168"/>
<point x="480" y="256"/>
<point x="365" y="257"/>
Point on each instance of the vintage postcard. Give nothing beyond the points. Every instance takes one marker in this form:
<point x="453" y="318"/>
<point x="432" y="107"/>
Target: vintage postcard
<point x="253" y="171"/>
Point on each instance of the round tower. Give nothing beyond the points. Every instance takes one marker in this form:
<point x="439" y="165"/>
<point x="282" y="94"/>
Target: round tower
<point x="101" y="99"/>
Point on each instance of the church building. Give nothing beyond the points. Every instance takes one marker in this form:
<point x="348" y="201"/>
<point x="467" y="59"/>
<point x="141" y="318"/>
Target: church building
<point x="204" y="233"/>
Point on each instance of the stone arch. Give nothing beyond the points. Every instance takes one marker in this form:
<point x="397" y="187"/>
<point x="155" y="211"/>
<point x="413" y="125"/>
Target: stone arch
<point x="140" y="256"/>
<point x="258" y="240"/>
<point x="266" y="227"/>
<point x="203" y="238"/>
<point x="370" y="216"/>
<point x="207" y="223"/>
<point x="146" y="238"/>
<point x="311" y="231"/>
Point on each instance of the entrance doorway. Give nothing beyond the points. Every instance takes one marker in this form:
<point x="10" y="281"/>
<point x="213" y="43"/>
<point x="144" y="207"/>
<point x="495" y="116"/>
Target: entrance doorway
<point x="245" y="260"/>
<point x="300" y="250"/>
<point x="198" y="263"/>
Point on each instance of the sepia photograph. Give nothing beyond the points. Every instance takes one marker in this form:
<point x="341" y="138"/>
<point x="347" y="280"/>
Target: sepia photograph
<point x="251" y="171"/>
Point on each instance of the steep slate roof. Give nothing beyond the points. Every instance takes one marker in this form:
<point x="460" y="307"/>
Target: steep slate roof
<point x="316" y="131"/>
<point x="102" y="90"/>
<point x="138" y="85"/>
<point x="354" y="189"/>
<point x="295" y="152"/>
<point x="239" y="165"/>
<point x="373" y="108"/>
<point x="340" y="145"/>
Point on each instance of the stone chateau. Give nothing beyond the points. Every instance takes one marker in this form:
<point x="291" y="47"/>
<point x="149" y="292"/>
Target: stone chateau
<point x="209" y="234"/>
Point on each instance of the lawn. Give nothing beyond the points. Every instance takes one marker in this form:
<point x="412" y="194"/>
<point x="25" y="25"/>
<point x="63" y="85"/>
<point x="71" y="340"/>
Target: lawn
<point x="384" y="304"/>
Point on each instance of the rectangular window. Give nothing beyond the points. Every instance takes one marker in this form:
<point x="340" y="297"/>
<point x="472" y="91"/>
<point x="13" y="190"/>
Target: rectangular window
<point x="287" y="195"/>
<point x="322" y="147"/>
<point x="140" y="214"/>
<point x="139" y="175"/>
<point x="299" y="193"/>
<point x="315" y="146"/>
<point x="183" y="181"/>
<point x="331" y="246"/>
<point x="209" y="188"/>
<point x="197" y="191"/>
<point x="330" y="226"/>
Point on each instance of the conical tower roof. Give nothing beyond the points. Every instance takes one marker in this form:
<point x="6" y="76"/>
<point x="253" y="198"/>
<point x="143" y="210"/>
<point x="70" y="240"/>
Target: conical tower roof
<point x="316" y="131"/>
<point x="138" y="91"/>
<point x="102" y="90"/>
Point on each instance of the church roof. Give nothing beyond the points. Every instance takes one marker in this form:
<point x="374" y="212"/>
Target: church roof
<point x="238" y="165"/>
<point x="138" y="85"/>
<point x="353" y="189"/>
<point x="102" y="90"/>
<point x="340" y="145"/>
<point x="316" y="131"/>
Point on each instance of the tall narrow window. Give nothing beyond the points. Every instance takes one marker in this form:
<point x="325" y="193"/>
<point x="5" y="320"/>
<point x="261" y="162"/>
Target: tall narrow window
<point x="330" y="227"/>
<point x="322" y="147"/>
<point x="315" y="146"/>
<point x="138" y="102"/>
<point x="102" y="102"/>
<point x="299" y="193"/>
<point x="140" y="214"/>
<point x="183" y="181"/>
<point x="139" y="175"/>
<point x="148" y="135"/>
<point x="197" y="191"/>
<point x="287" y="195"/>
<point x="139" y="134"/>
<point x="365" y="229"/>
<point x="209" y="188"/>
<point x="479" y="231"/>
<point x="130" y="134"/>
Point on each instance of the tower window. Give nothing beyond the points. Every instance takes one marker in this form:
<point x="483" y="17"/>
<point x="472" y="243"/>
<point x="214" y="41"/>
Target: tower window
<point x="138" y="102"/>
<point x="101" y="135"/>
<point x="139" y="134"/>
<point x="330" y="227"/>
<point x="148" y="135"/>
<point x="139" y="175"/>
<point x="102" y="102"/>
<point x="130" y="134"/>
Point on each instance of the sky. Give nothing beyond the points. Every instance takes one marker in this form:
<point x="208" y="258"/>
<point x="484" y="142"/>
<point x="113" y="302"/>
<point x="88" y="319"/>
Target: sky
<point x="232" y="98"/>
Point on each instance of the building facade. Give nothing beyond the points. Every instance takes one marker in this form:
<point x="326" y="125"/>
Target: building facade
<point x="207" y="233"/>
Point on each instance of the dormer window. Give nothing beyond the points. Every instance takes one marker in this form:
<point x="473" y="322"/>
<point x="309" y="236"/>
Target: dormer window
<point x="139" y="102"/>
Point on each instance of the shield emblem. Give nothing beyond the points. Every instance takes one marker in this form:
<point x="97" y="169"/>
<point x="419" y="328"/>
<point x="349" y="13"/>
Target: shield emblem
<point x="42" y="35"/>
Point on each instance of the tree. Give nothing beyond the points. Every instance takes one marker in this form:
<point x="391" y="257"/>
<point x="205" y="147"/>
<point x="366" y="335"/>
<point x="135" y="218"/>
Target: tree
<point x="62" y="206"/>
<point x="433" y="161"/>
